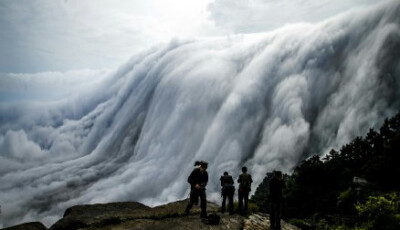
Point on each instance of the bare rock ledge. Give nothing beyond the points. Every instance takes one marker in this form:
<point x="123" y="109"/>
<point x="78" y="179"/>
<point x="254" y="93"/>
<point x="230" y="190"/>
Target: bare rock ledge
<point x="135" y="216"/>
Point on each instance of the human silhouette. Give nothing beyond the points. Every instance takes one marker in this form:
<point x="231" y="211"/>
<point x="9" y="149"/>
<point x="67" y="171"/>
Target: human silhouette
<point x="227" y="191"/>
<point x="196" y="167"/>
<point x="198" y="180"/>
<point x="276" y="185"/>
<point x="244" y="181"/>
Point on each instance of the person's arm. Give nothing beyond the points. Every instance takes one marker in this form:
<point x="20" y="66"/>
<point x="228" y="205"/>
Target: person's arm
<point x="251" y="179"/>
<point x="191" y="177"/>
<point x="239" y="179"/>
<point x="222" y="181"/>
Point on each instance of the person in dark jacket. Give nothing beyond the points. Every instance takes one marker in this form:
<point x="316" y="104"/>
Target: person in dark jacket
<point x="227" y="191"/>
<point x="276" y="185"/>
<point x="198" y="180"/>
<point x="244" y="181"/>
<point x="196" y="167"/>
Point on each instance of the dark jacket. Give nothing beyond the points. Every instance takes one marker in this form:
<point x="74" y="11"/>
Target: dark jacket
<point x="226" y="180"/>
<point x="245" y="181"/>
<point x="275" y="189"/>
<point x="197" y="177"/>
<point x="227" y="184"/>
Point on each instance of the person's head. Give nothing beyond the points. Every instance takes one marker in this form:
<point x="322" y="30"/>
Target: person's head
<point x="226" y="174"/>
<point x="203" y="166"/>
<point x="244" y="169"/>
<point x="278" y="174"/>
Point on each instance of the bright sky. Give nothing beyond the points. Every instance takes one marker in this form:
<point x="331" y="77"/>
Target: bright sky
<point x="62" y="35"/>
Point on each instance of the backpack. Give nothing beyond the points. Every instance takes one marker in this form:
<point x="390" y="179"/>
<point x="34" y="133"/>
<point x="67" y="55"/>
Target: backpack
<point x="227" y="185"/>
<point x="245" y="182"/>
<point x="212" y="219"/>
<point x="228" y="188"/>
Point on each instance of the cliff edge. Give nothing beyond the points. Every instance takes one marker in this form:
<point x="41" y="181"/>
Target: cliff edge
<point x="135" y="216"/>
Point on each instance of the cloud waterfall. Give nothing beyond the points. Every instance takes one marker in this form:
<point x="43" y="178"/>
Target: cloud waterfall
<point x="264" y="100"/>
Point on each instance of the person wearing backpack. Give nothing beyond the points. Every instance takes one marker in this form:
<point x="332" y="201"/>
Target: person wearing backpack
<point x="227" y="191"/>
<point x="244" y="181"/>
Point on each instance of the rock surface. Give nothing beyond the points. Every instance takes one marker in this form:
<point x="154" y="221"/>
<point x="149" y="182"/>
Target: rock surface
<point x="28" y="226"/>
<point x="260" y="221"/>
<point x="135" y="216"/>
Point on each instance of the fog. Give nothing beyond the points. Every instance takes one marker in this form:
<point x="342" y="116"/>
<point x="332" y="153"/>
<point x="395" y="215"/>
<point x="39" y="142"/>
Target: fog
<point x="265" y="100"/>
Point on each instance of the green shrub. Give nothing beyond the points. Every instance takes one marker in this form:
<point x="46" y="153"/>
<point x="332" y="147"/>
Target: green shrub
<point x="303" y="224"/>
<point x="380" y="212"/>
<point x="253" y="207"/>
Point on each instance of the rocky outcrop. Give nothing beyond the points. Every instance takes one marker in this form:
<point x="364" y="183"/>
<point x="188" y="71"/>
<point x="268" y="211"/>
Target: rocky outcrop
<point x="260" y="221"/>
<point x="133" y="215"/>
<point x="98" y="215"/>
<point x="28" y="226"/>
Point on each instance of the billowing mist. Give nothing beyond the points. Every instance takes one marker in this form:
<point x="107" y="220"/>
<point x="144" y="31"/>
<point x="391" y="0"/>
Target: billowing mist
<point x="265" y="100"/>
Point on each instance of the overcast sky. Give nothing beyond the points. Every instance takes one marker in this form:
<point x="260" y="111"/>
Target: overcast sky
<point x="63" y="35"/>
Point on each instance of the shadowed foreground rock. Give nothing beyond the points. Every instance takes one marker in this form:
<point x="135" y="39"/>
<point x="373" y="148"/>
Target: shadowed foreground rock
<point x="28" y="226"/>
<point x="133" y="215"/>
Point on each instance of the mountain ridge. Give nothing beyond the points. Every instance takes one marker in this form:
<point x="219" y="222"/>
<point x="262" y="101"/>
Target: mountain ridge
<point x="134" y="215"/>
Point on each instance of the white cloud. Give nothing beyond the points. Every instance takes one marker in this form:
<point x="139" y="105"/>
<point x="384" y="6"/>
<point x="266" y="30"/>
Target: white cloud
<point x="56" y="35"/>
<point x="59" y="35"/>
<point x="264" y="100"/>
<point x="250" y="16"/>
<point x="16" y="145"/>
<point x="48" y="86"/>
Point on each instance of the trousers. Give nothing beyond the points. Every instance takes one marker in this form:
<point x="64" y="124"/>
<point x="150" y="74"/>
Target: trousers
<point x="195" y="194"/>
<point x="243" y="196"/>
<point x="275" y="216"/>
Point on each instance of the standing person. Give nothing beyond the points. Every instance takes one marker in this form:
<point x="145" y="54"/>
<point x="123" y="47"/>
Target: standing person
<point x="196" y="167"/>
<point x="276" y="184"/>
<point x="244" y="181"/>
<point x="227" y="191"/>
<point x="198" y="180"/>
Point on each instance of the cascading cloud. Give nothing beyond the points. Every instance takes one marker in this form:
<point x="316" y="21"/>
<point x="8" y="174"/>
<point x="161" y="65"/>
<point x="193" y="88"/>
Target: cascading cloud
<point x="265" y="100"/>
